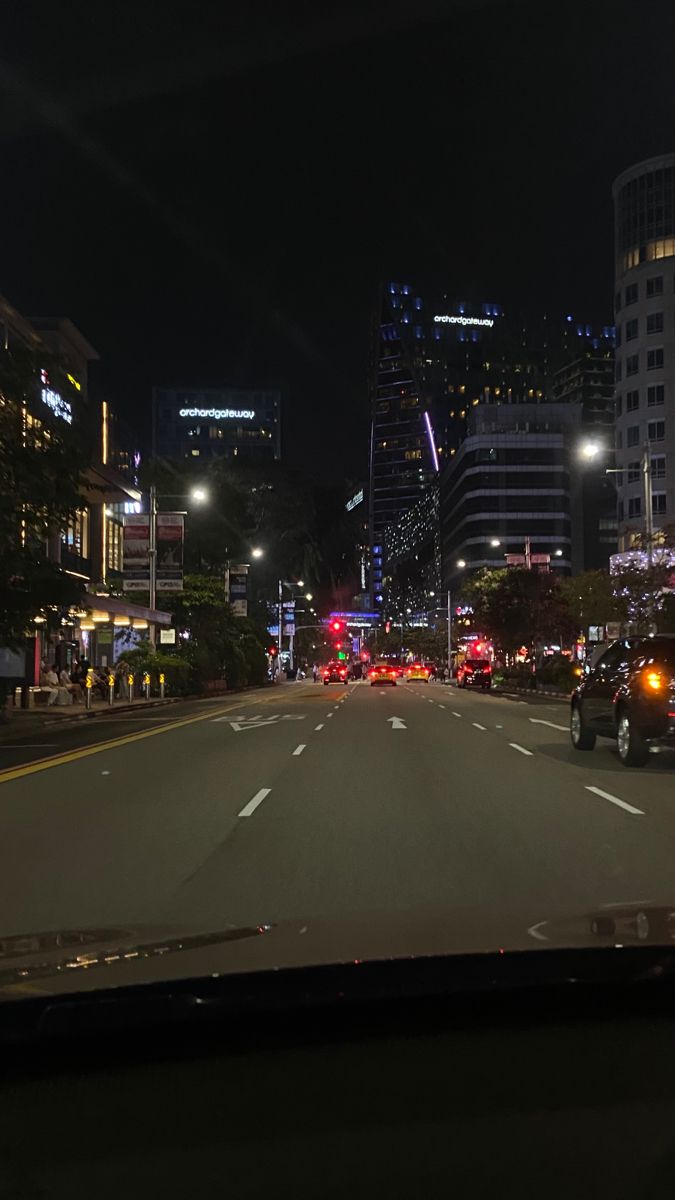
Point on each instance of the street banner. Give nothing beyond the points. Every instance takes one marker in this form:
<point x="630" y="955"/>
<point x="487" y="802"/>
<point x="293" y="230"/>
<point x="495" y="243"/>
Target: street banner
<point x="136" y="553"/>
<point x="238" y="589"/>
<point x="170" y="529"/>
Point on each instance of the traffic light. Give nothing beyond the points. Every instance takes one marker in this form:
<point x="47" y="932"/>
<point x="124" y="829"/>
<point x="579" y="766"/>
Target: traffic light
<point x="272" y="651"/>
<point x="338" y="645"/>
<point x="387" y="627"/>
<point x="337" y="626"/>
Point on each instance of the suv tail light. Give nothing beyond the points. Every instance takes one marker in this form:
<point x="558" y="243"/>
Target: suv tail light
<point x="654" y="680"/>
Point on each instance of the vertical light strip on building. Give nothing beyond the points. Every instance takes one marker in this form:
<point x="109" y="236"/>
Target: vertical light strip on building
<point x="104" y="429"/>
<point x="432" y="442"/>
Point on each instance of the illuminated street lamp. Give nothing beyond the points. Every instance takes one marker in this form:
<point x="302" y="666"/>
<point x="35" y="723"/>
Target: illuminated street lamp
<point x="461" y="563"/>
<point x="257" y="552"/>
<point x="199" y="495"/>
<point x="495" y="542"/>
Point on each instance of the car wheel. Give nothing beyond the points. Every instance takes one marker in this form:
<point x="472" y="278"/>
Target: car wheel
<point x="633" y="749"/>
<point x="582" y="737"/>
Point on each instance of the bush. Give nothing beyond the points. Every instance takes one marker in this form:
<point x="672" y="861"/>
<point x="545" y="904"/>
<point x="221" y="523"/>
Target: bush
<point x="178" y="675"/>
<point x="558" y="672"/>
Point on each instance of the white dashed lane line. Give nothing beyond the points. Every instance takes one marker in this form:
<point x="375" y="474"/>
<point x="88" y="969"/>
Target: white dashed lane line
<point x="636" y="812"/>
<point x="520" y="749"/>
<point x="254" y="802"/>
<point x="317" y="728"/>
<point x="477" y="726"/>
<point x="456" y="714"/>
<point x="299" y="749"/>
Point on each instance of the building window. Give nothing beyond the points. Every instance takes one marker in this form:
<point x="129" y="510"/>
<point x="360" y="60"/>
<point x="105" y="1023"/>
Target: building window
<point x="658" y="503"/>
<point x="412" y="454"/>
<point x="655" y="359"/>
<point x="76" y="534"/>
<point x="410" y="402"/>
<point x="617" y="302"/>
<point x="382" y="406"/>
<point x="633" y="435"/>
<point x="659" y="466"/>
<point x="619" y="440"/>
<point x="632" y="401"/>
<point x="632" y="293"/>
<point x="618" y="406"/>
<point x="633" y="472"/>
<point x="633" y="363"/>
<point x="656" y="431"/>
<point x="634" y="506"/>
<point x="631" y="329"/>
<point x="655" y="322"/>
<point x="655" y="286"/>
<point x="655" y="395"/>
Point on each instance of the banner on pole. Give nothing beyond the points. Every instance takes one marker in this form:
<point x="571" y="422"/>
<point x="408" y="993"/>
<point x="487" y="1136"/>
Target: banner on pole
<point x="136" y="553"/>
<point x="238" y="589"/>
<point x="170" y="534"/>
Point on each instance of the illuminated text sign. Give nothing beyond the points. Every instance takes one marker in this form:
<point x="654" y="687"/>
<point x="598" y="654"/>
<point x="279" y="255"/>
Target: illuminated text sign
<point x="357" y="498"/>
<point x="444" y="319"/>
<point x="219" y="414"/>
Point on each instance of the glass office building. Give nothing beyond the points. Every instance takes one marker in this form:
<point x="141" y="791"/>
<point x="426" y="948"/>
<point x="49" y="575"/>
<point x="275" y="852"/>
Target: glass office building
<point x="203" y="423"/>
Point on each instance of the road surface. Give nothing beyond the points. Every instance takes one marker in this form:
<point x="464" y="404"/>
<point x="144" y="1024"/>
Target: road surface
<point x="421" y="803"/>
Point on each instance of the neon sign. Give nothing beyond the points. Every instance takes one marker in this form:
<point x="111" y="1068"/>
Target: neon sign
<point x="357" y="498"/>
<point x="219" y="414"/>
<point x="444" y="319"/>
<point x="54" y="400"/>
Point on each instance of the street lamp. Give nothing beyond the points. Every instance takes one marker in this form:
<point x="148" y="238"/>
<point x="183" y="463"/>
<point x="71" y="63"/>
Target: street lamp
<point x="558" y="553"/>
<point x="590" y="450"/>
<point x="308" y="596"/>
<point x="495" y="542"/>
<point x="199" y="495"/>
<point x="257" y="552"/>
<point x="461" y="563"/>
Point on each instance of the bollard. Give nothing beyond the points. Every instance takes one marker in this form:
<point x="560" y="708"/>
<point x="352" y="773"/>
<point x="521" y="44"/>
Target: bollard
<point x="161" y="685"/>
<point x="146" y="684"/>
<point x="130" y="681"/>
<point x="87" y="690"/>
<point x="111" y="689"/>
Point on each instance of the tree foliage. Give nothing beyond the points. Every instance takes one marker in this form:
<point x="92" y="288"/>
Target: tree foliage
<point x="518" y="607"/>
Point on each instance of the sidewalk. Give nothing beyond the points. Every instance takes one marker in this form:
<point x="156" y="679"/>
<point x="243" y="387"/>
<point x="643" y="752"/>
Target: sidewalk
<point x="24" y="722"/>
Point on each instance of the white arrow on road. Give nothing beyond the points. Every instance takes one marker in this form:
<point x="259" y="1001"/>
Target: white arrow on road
<point x="551" y="724"/>
<point x="397" y="723"/>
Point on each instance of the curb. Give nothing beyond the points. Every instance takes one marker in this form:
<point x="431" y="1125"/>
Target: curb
<point x="531" y="692"/>
<point x="117" y="708"/>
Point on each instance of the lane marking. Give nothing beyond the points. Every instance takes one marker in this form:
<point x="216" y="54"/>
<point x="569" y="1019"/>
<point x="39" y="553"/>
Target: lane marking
<point x="520" y="749"/>
<point x="456" y="714"/>
<point x="254" y="802"/>
<point x="441" y="705"/>
<point x="477" y="726"/>
<point x="535" y="931"/>
<point x="551" y="724"/>
<point x="396" y="723"/>
<point x="637" y="812"/>
<point x="328" y="715"/>
<point x="57" y="760"/>
<point x="317" y="728"/>
<point x="299" y="749"/>
<point x="499" y="726"/>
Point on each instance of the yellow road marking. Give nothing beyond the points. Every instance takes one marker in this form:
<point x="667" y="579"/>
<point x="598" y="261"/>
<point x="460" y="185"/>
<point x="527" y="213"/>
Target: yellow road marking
<point x="57" y="760"/>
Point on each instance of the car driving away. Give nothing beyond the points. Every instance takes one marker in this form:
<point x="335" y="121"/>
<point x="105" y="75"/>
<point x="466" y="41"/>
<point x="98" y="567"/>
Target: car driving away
<point x="629" y="695"/>
<point x="418" y="671"/>
<point x="335" y="672"/>
<point x="382" y="674"/>
<point x="474" y="672"/>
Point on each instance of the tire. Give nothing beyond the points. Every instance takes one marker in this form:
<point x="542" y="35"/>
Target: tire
<point x="326" y="682"/>
<point x="633" y="749"/>
<point x="582" y="737"/>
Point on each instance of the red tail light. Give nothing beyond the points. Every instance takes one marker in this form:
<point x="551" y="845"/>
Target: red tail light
<point x="468" y="669"/>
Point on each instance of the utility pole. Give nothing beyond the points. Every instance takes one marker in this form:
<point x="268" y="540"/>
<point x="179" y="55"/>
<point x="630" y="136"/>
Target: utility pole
<point x="648" y="522"/>
<point x="281" y="617"/>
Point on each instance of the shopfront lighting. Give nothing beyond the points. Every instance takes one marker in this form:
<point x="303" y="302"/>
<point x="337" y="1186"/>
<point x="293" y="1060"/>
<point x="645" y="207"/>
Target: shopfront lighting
<point x="100" y="617"/>
<point x="120" y="621"/>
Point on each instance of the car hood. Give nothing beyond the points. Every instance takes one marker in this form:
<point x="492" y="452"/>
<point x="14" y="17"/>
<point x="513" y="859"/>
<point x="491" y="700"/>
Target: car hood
<point x="56" y="962"/>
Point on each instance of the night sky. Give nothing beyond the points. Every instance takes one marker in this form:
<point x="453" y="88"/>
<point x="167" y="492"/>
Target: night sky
<point x="213" y="198"/>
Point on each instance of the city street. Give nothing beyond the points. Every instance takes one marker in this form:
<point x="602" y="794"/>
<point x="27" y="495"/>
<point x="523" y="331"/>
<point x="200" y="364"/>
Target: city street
<point x="346" y="803"/>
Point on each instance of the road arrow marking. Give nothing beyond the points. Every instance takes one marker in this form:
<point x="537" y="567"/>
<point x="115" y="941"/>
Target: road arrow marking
<point x="551" y="724"/>
<point x="396" y="723"/>
<point x="241" y="724"/>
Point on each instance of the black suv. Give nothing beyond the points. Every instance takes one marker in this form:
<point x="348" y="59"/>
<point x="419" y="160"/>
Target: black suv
<point x="629" y="694"/>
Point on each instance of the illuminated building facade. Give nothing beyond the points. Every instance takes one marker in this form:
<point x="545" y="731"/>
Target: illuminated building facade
<point x="203" y="423"/>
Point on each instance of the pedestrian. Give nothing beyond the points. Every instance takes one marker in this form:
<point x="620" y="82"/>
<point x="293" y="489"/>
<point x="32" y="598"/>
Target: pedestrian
<point x="315" y="672"/>
<point x="122" y="671"/>
<point x="49" y="683"/>
<point x="73" y="686"/>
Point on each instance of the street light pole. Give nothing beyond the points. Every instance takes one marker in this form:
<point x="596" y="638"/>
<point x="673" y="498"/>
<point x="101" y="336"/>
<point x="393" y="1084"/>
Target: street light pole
<point x="449" y="634"/>
<point x="281" y="611"/>
<point x="647" y="501"/>
<point x="152" y="554"/>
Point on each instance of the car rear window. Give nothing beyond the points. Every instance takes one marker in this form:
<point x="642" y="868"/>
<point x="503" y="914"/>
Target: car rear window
<point x="477" y="662"/>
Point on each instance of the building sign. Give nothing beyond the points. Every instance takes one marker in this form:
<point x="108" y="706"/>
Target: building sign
<point x="54" y="400"/>
<point x="169" y="576"/>
<point x="445" y="319"/>
<point x="357" y="498"/>
<point x="238" y="589"/>
<point x="167" y="637"/>
<point x="136" y="553"/>
<point x="219" y="414"/>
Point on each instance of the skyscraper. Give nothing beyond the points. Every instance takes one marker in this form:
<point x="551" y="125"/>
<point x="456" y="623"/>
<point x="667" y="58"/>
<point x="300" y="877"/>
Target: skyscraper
<point x="644" y="243"/>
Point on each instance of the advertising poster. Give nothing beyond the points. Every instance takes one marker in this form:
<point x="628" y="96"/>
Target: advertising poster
<point x="170" y="552"/>
<point x="136" y="553"/>
<point x="238" y="586"/>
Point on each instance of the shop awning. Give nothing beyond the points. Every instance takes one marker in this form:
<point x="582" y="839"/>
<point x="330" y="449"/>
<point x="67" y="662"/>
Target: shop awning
<point x="117" y="607"/>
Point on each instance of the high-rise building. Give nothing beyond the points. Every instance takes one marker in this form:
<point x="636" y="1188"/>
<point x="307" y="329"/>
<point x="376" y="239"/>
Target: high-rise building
<point x="202" y="423"/>
<point x="435" y="360"/>
<point x="644" y="250"/>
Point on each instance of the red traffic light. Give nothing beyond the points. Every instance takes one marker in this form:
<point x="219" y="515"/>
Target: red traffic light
<point x="273" y="651"/>
<point x="336" y="626"/>
<point x="338" y="645"/>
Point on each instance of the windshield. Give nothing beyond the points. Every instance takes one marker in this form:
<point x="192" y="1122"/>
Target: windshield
<point x="337" y="464"/>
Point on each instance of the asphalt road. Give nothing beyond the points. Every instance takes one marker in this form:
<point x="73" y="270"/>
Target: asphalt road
<point x="340" y="803"/>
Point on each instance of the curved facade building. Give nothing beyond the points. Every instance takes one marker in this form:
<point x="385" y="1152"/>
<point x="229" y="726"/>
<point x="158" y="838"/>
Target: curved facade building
<point x="644" y="241"/>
